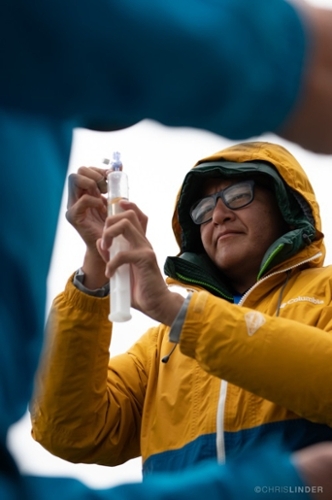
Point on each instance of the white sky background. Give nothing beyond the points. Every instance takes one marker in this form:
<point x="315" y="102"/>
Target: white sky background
<point x="156" y="158"/>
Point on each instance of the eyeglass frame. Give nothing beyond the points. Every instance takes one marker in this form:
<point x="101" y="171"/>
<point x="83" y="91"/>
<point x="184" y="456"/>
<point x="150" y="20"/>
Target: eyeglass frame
<point x="221" y="195"/>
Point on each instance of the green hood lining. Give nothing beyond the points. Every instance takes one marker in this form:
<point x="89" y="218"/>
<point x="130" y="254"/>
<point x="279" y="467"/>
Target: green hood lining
<point x="197" y="269"/>
<point x="194" y="263"/>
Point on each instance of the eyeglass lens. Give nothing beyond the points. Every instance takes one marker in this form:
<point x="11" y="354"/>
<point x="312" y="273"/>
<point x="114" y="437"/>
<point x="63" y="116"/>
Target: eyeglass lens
<point x="234" y="197"/>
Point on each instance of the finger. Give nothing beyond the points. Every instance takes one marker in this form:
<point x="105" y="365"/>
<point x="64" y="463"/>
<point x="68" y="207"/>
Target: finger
<point x="93" y="172"/>
<point x="102" y="185"/>
<point x="142" y="218"/>
<point x="99" y="175"/>
<point x="132" y="213"/>
<point x="86" y="202"/>
<point x="85" y="180"/>
<point x="128" y="226"/>
<point x="137" y="257"/>
<point x="103" y="253"/>
<point x="79" y="184"/>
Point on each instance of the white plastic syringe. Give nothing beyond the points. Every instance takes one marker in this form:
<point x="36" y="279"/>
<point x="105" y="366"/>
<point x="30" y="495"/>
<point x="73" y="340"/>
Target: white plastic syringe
<point x="120" y="294"/>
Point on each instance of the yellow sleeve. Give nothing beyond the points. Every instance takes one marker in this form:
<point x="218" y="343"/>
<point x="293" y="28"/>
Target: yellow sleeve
<point x="279" y="359"/>
<point x="87" y="407"/>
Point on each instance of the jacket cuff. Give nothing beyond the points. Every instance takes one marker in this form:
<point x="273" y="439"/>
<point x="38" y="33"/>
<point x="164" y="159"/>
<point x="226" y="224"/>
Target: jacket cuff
<point x="79" y="300"/>
<point x="78" y="280"/>
<point x="176" y="328"/>
<point x="190" y="333"/>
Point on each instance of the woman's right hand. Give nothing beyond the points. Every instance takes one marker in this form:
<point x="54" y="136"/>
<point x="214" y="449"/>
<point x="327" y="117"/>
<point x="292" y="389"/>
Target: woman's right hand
<point x="87" y="207"/>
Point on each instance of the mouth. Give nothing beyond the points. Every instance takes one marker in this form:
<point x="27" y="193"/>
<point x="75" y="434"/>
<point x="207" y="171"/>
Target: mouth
<point x="225" y="236"/>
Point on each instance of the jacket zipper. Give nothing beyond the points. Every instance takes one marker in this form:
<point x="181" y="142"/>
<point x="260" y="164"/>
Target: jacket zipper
<point x="221" y="452"/>
<point x="243" y="298"/>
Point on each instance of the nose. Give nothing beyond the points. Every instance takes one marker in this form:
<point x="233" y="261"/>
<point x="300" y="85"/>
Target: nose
<point x="221" y="213"/>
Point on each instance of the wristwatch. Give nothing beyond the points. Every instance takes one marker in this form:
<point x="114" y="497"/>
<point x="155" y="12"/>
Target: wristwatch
<point x="78" y="281"/>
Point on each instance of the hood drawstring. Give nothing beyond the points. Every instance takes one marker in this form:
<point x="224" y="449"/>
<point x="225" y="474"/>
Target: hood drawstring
<point x="282" y="291"/>
<point x="165" y="359"/>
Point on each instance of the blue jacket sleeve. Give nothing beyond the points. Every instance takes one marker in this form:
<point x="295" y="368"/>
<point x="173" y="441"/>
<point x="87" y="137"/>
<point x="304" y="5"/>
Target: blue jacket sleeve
<point x="232" y="67"/>
<point x="269" y="472"/>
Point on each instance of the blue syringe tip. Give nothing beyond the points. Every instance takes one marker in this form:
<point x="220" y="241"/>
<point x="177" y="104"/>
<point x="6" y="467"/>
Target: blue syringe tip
<point x="116" y="164"/>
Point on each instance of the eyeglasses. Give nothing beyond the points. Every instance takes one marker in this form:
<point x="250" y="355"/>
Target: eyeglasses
<point x="234" y="197"/>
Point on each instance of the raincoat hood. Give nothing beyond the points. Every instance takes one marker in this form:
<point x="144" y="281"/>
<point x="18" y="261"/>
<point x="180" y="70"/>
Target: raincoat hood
<point x="291" y="186"/>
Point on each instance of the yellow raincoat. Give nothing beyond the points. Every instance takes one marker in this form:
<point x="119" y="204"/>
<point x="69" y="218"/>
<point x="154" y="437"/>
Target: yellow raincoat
<point x="241" y="372"/>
